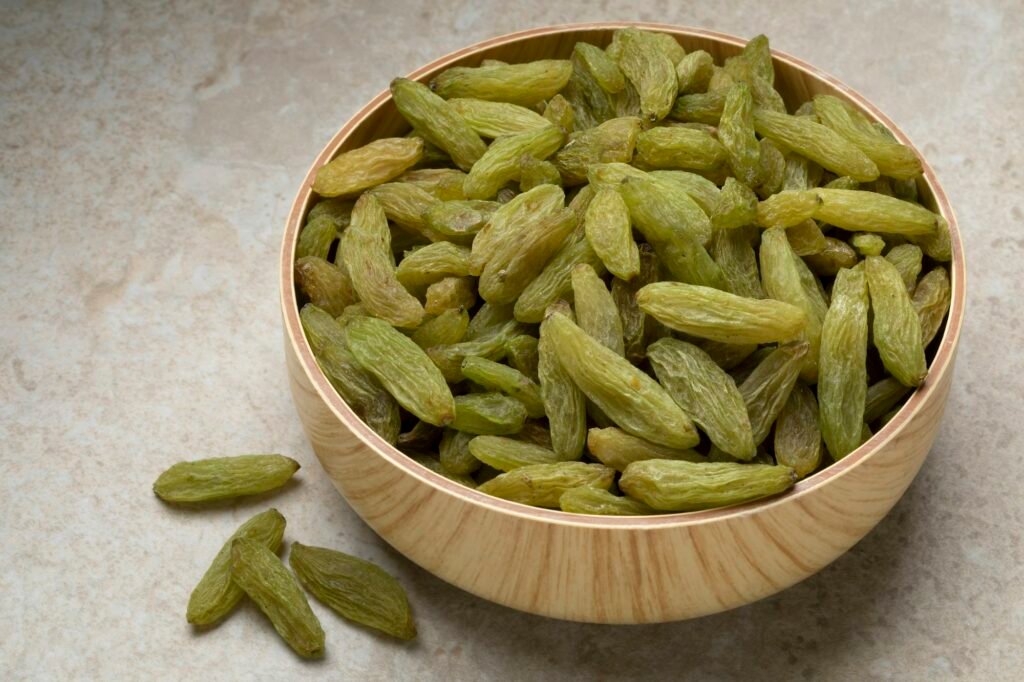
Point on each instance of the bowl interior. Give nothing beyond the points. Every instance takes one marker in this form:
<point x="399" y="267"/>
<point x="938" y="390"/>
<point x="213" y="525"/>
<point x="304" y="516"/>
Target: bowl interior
<point x="796" y="81"/>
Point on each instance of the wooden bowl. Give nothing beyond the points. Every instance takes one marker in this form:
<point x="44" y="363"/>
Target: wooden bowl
<point x="611" y="569"/>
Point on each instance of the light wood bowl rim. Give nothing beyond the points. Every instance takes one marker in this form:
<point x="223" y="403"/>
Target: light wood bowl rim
<point x="941" y="363"/>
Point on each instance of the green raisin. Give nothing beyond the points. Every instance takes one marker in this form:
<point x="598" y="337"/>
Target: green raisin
<point x="896" y="330"/>
<point x="379" y="161"/>
<point x="356" y="589"/>
<point x="590" y="500"/>
<point x="224" y="478"/>
<point x="842" y="382"/>
<point x="403" y="368"/>
<point x="437" y="122"/>
<point x="706" y="393"/>
<point x="675" y="485"/>
<point x="931" y="301"/>
<point x="797" y="434"/>
<point x="633" y="400"/>
<point x="262" y="576"/>
<point x="542" y="485"/>
<point x="721" y="316"/>
<point x="366" y="252"/>
<point x="216" y="595"/>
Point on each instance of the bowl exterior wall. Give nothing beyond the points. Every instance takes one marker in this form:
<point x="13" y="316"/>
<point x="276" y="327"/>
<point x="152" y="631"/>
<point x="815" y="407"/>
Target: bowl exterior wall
<point x="628" y="573"/>
<point x="597" y="569"/>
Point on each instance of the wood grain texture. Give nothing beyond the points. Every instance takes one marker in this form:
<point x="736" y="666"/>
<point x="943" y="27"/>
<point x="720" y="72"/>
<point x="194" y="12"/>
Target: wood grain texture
<point x="606" y="569"/>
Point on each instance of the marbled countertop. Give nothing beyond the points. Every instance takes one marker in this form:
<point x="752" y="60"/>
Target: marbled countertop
<point x="149" y="153"/>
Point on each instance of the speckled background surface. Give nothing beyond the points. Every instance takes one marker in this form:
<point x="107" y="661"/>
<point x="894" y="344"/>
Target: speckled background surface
<point x="149" y="152"/>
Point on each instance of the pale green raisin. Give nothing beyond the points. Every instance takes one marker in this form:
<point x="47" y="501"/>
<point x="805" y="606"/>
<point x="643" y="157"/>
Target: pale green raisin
<point x="366" y="251"/>
<point x="517" y="261"/>
<point x="216" y="595"/>
<point x="767" y="389"/>
<point x="357" y="387"/>
<point x="604" y="69"/>
<point x="525" y="84"/>
<point x="860" y="211"/>
<point x="522" y="354"/>
<point x="498" y="377"/>
<point x="339" y="211"/>
<point x="835" y="256"/>
<point x="495" y="119"/>
<point x="781" y="278"/>
<point x="650" y="70"/>
<point x="843" y="380"/>
<point x="437" y="122"/>
<point x="262" y="576"/>
<point x="896" y="331"/>
<point x="449" y="358"/>
<point x="610" y="234"/>
<point x="721" y="316"/>
<point x="706" y="393"/>
<point x="907" y="259"/>
<point x="867" y="244"/>
<point x="559" y="111"/>
<point x="316" y="237"/>
<point x="596" y="312"/>
<point x="542" y="485"/>
<point x="454" y="453"/>
<point x="674" y="485"/>
<point x="500" y="163"/>
<point x="617" y="449"/>
<point x="325" y="285"/>
<point x="664" y="147"/>
<point x="633" y="400"/>
<point x="816" y="142"/>
<point x="534" y="172"/>
<point x="806" y="238"/>
<point x="564" y="402"/>
<point x="694" y="71"/>
<point x="931" y="301"/>
<point x="882" y="396"/>
<point x="736" y="132"/>
<point x="379" y="161"/>
<point x="224" y="478"/>
<point x="405" y="205"/>
<point x="510" y="221"/>
<point x="447" y="328"/>
<point x="735" y="256"/>
<point x="555" y="280"/>
<point x="356" y="589"/>
<point x="488" y="414"/>
<point x="787" y="208"/>
<point x="432" y="463"/>
<point x="636" y="326"/>
<point x="611" y="141"/>
<point x="590" y="500"/>
<point x="771" y="170"/>
<point x="797" y="434"/>
<point x="661" y="210"/>
<point x="450" y="292"/>
<point x="702" y="107"/>
<point x="459" y="220"/>
<point x="425" y="265"/>
<point x="892" y="158"/>
<point x="736" y="206"/>
<point x="506" y="454"/>
<point x="403" y="368"/>
<point x="443" y="183"/>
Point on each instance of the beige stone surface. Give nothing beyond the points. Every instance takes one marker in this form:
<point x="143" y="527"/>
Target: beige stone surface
<point x="149" y="152"/>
